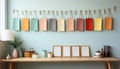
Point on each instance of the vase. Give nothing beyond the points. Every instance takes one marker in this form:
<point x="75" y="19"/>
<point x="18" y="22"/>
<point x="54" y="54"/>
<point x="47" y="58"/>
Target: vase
<point x="14" y="53"/>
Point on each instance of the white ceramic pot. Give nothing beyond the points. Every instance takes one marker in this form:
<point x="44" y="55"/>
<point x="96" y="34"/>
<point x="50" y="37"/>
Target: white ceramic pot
<point x="15" y="53"/>
<point x="97" y="53"/>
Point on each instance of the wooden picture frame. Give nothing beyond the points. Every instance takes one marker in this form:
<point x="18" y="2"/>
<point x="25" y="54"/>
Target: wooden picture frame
<point x="57" y="51"/>
<point x="66" y="51"/>
<point x="75" y="51"/>
<point x="85" y="51"/>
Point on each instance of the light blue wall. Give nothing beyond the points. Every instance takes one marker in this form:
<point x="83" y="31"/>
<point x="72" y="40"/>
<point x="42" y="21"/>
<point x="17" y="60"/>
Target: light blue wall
<point x="45" y="40"/>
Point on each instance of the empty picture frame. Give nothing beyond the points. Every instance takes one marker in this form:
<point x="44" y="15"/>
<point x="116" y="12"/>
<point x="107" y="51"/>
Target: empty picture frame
<point x="85" y="51"/>
<point x="66" y="51"/>
<point x="57" y="51"/>
<point x="75" y="51"/>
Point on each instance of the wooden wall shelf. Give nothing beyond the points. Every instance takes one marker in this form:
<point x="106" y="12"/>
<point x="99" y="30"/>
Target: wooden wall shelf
<point x="13" y="62"/>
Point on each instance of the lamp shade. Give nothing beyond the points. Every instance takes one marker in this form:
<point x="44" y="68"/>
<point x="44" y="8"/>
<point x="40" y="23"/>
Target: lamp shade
<point x="7" y="35"/>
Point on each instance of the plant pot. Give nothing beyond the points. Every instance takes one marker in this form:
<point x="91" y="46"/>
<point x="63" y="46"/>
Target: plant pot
<point x="15" y="53"/>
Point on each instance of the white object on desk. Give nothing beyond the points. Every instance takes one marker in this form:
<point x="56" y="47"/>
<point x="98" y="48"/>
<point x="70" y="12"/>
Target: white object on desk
<point x="35" y="56"/>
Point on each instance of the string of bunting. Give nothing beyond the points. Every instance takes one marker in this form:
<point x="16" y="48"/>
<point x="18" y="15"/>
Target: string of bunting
<point x="63" y="24"/>
<point x="64" y="12"/>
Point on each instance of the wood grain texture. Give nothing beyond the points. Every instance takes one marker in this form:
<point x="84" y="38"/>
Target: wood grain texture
<point x="87" y="59"/>
<point x="108" y="65"/>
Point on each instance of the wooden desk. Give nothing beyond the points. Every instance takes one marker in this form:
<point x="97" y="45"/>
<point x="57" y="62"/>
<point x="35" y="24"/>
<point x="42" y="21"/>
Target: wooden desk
<point x="107" y="61"/>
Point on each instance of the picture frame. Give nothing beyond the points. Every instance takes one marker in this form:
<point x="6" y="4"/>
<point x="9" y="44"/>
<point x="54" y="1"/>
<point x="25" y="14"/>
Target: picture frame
<point x="66" y="51"/>
<point x="75" y="51"/>
<point x="57" y="51"/>
<point x="85" y="51"/>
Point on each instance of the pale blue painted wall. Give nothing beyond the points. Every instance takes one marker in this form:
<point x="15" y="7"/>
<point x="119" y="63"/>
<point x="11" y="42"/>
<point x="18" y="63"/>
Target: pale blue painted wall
<point x="45" y="40"/>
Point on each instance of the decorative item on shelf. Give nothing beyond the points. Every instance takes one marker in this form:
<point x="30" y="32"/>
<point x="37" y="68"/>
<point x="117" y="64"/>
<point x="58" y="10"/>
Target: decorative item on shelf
<point x="57" y="51"/>
<point x="98" y="54"/>
<point x="75" y="51"/>
<point x="16" y="43"/>
<point x="85" y="51"/>
<point x="35" y="55"/>
<point x="66" y="51"/>
<point x="49" y="55"/>
<point x="28" y="53"/>
<point x="43" y="53"/>
<point x="107" y="51"/>
<point x="8" y="56"/>
<point x="71" y="51"/>
<point x="14" y="53"/>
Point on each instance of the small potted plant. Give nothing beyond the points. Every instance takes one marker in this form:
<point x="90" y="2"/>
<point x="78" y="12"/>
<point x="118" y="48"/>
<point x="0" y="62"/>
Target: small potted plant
<point x="15" y="44"/>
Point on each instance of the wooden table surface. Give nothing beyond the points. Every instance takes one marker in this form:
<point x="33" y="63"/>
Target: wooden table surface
<point x="107" y="61"/>
<point x="88" y="59"/>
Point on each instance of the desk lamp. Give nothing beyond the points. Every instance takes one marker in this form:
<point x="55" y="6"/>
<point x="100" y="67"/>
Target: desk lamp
<point x="5" y="36"/>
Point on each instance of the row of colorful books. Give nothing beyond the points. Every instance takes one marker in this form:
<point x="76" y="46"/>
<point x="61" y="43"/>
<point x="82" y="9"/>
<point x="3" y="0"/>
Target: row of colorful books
<point x="62" y="25"/>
